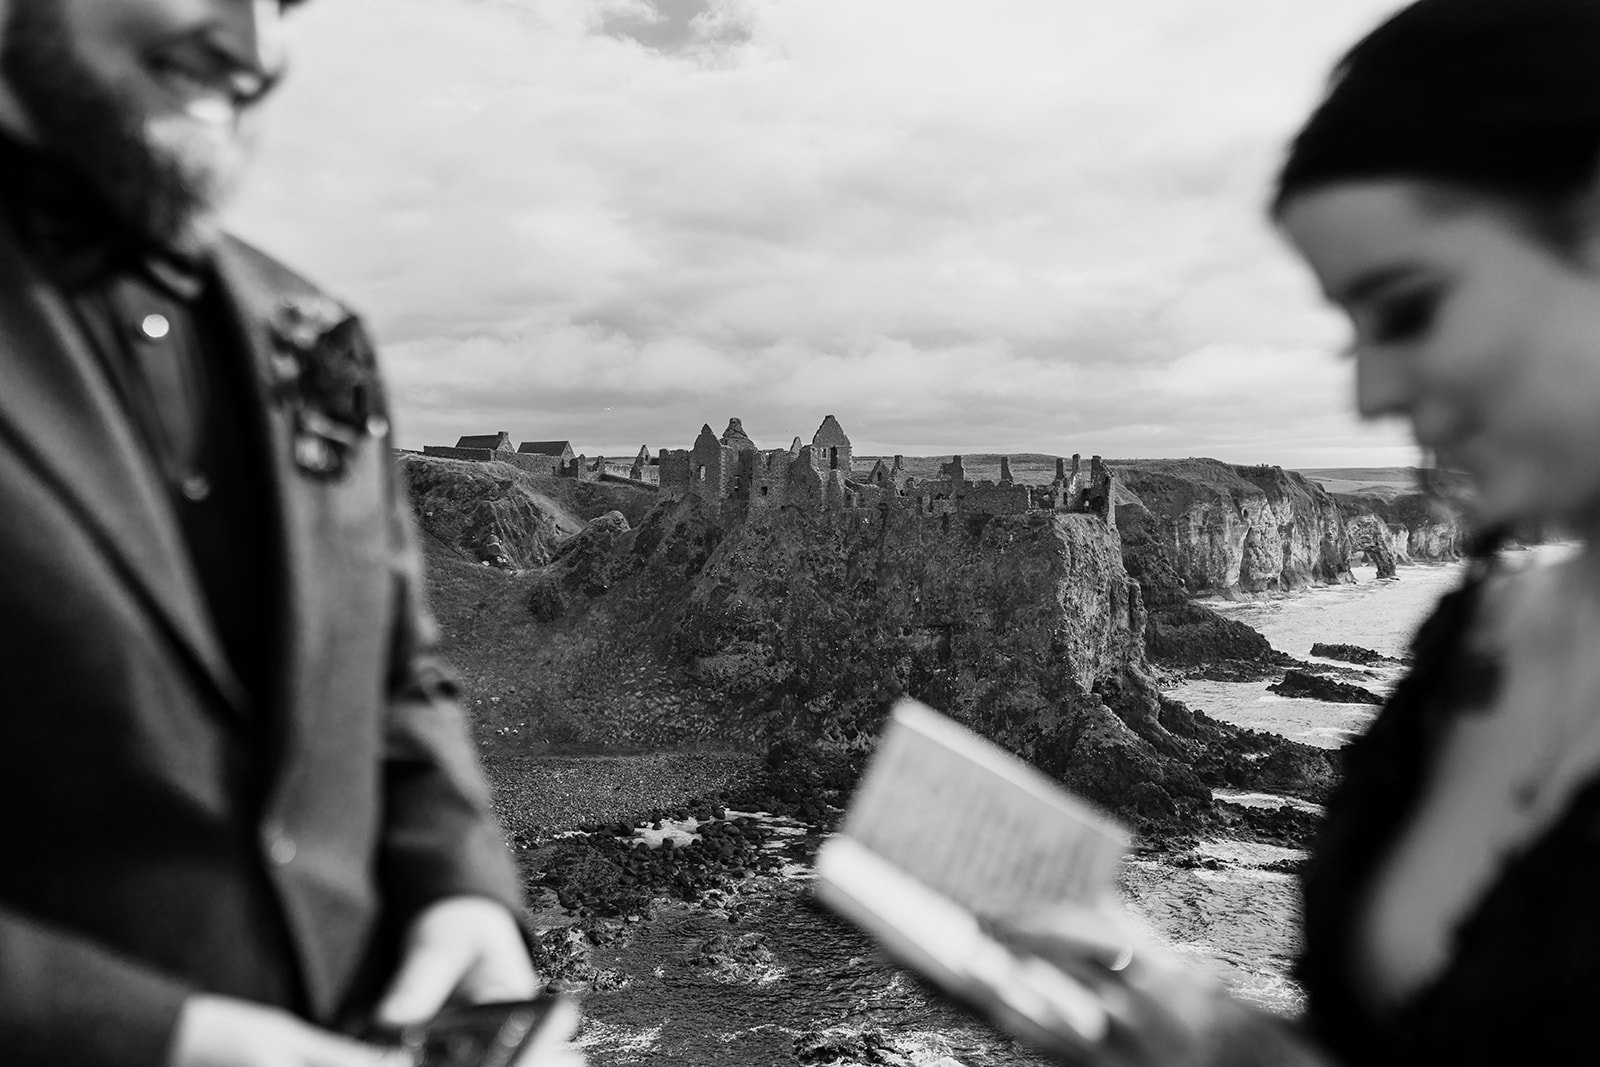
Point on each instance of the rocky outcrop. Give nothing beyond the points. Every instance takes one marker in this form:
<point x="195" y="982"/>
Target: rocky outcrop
<point x="464" y="507"/>
<point x="1313" y="687"/>
<point x="1366" y="657"/>
<point x="1421" y="527"/>
<point x="1383" y="545"/>
<point x="1231" y="530"/>
<point x="1022" y="627"/>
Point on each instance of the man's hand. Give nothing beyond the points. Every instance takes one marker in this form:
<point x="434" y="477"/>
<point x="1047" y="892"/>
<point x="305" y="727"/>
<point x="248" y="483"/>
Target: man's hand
<point x="463" y="949"/>
<point x="218" y="1031"/>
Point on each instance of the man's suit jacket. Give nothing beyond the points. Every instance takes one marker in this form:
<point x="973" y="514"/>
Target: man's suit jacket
<point x="157" y="834"/>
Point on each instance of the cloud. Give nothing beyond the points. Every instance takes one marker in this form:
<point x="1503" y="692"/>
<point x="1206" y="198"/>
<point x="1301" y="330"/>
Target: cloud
<point x="959" y="225"/>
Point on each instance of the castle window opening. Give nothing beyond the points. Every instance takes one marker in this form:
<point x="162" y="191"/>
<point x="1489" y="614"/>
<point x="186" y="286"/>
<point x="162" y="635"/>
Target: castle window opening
<point x="700" y="473"/>
<point x="764" y="490"/>
<point x="833" y="459"/>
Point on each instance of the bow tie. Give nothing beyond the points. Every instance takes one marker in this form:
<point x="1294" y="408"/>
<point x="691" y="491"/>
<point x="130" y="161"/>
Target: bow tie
<point x="78" y="239"/>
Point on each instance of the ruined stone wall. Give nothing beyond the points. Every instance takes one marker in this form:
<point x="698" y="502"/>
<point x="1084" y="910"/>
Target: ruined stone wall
<point x="834" y="496"/>
<point x="675" y="471"/>
<point x="989" y="498"/>
<point x="1099" y="497"/>
<point x="475" y="455"/>
<point x="940" y="496"/>
<point x="623" y="479"/>
<point x="709" y="473"/>
<point x="805" y="488"/>
<point x="831" y="447"/>
<point x="764" y="478"/>
<point x="870" y="496"/>
<point x="533" y="463"/>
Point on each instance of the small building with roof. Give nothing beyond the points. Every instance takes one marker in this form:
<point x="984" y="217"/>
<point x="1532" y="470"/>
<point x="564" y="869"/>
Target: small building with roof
<point x="562" y="450"/>
<point x="493" y="442"/>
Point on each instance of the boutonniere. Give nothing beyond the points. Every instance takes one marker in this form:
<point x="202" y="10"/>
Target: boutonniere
<point x="326" y="378"/>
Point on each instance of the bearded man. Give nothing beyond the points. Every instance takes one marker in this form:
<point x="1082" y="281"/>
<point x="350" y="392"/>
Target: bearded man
<point x="238" y="803"/>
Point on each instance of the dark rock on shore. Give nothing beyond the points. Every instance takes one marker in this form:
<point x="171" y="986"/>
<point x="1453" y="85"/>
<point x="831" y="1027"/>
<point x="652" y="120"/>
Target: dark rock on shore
<point x="604" y="870"/>
<point x="1351" y="654"/>
<point x="734" y="957"/>
<point x="1233" y="757"/>
<point x="1284" y="825"/>
<point x="1330" y="670"/>
<point x="871" y="1047"/>
<point x="1301" y="684"/>
<point x="564" y="956"/>
<point x="1200" y="643"/>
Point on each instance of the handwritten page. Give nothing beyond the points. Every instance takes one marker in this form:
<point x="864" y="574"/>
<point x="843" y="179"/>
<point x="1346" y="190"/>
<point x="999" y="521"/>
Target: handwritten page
<point x="974" y="823"/>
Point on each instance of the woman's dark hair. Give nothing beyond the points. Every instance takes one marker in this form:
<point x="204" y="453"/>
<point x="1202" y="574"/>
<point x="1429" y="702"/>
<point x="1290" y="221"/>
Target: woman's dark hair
<point x="1492" y="96"/>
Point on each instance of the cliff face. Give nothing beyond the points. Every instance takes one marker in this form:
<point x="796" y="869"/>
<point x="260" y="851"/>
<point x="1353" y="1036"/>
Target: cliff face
<point x="1422" y="529"/>
<point x="1231" y="529"/>
<point x="965" y="613"/>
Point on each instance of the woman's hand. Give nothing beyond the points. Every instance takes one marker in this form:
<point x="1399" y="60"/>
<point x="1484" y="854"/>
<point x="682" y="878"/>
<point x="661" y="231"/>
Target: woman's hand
<point x="1157" y="1011"/>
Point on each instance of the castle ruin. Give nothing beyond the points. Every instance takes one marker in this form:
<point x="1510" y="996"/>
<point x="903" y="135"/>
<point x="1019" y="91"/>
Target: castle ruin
<point x="735" y="479"/>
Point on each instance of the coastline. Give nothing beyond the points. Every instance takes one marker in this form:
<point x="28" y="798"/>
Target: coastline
<point x="723" y="898"/>
<point x="722" y="906"/>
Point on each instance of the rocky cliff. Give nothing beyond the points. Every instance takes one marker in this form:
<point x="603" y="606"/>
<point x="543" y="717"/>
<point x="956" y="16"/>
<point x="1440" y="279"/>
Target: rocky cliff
<point x="681" y="631"/>
<point x="1420" y="528"/>
<point x="461" y="506"/>
<point x="1229" y="529"/>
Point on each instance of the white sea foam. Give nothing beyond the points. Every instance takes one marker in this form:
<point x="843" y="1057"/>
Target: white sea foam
<point x="597" y="1036"/>
<point x="1264" y="800"/>
<point x="1247" y="853"/>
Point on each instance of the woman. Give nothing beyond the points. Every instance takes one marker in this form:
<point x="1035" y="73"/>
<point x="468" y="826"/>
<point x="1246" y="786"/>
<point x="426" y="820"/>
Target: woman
<point x="1446" y="194"/>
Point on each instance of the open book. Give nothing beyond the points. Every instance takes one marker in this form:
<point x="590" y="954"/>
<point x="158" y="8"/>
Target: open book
<point x="948" y="834"/>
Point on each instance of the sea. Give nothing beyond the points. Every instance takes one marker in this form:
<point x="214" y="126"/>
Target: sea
<point x="797" y="979"/>
<point x="1239" y="921"/>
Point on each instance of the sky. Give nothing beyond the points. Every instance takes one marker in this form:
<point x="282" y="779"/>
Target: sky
<point x="957" y="225"/>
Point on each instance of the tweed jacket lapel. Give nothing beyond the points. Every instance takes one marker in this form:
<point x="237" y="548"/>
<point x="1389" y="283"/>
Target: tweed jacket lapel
<point x="255" y="289"/>
<point x="61" y="415"/>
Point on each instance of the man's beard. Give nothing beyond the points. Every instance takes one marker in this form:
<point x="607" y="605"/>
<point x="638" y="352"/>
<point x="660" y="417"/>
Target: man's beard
<point x="164" y="178"/>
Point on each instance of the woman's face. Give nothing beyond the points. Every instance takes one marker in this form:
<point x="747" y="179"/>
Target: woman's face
<point x="1486" y="339"/>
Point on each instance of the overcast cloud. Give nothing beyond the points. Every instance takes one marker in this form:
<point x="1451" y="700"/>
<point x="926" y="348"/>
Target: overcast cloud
<point x="959" y="225"/>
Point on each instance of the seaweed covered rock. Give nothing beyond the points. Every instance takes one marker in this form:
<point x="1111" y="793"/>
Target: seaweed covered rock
<point x="1314" y="687"/>
<point x="1366" y="657"/>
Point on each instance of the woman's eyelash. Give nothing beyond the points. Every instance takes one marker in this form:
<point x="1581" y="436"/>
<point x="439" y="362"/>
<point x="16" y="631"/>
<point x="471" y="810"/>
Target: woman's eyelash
<point x="1404" y="318"/>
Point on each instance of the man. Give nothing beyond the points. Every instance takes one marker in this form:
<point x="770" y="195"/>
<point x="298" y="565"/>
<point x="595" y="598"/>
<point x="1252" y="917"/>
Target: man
<point x="238" y="807"/>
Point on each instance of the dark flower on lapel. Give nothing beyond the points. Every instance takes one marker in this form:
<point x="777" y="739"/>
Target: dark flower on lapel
<point x="325" y="376"/>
